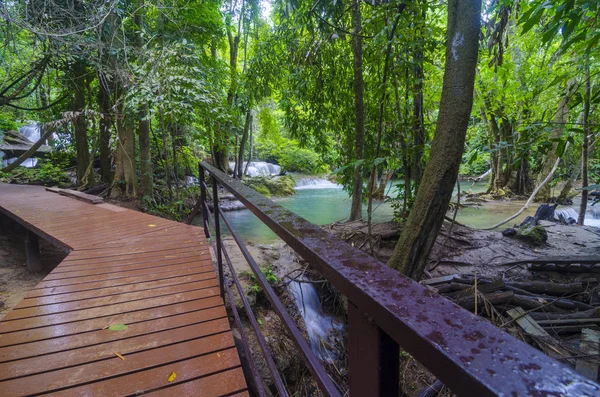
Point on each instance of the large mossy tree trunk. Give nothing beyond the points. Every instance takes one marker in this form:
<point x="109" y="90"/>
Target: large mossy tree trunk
<point x="359" y="111"/>
<point x="78" y="77"/>
<point x="412" y="250"/>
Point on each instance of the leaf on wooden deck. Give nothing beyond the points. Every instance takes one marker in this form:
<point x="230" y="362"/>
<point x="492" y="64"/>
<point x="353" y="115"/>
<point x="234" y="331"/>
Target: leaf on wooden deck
<point x="152" y="225"/>
<point x="118" y="355"/>
<point x="118" y="327"/>
<point x="172" y="377"/>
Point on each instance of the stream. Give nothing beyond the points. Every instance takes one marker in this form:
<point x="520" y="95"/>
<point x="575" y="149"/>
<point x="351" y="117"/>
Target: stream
<point x="323" y="202"/>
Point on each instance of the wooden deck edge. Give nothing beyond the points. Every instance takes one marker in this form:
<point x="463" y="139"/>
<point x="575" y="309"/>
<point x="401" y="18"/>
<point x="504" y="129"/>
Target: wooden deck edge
<point x="40" y="233"/>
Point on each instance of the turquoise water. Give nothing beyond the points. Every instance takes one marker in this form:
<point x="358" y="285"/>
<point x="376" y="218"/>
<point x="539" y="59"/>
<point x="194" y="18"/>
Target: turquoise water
<point x="320" y="205"/>
<point x="325" y="205"/>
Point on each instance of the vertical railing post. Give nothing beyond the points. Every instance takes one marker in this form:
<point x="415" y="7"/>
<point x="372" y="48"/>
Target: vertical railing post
<point x="203" y="199"/>
<point x="373" y="358"/>
<point x="218" y="235"/>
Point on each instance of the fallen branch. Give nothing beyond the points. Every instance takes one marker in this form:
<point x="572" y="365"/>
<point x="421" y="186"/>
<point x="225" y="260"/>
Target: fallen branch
<point x="29" y="152"/>
<point x="535" y="192"/>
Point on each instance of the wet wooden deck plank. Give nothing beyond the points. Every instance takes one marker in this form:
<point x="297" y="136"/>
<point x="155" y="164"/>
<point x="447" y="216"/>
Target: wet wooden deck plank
<point x="124" y="267"/>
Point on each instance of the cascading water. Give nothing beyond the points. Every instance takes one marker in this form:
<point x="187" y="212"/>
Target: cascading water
<point x="318" y="324"/>
<point x="260" y="168"/>
<point x="31" y="132"/>
<point x="315" y="183"/>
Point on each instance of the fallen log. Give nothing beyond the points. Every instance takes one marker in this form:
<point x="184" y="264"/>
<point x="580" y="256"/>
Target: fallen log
<point x="570" y="329"/>
<point x="451" y="287"/>
<point x="548" y="288"/>
<point x="594" y="313"/>
<point x="536" y="304"/>
<point x="495" y="298"/>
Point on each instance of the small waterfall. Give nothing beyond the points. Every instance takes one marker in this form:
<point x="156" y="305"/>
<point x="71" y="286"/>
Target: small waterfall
<point x="29" y="163"/>
<point x="260" y="168"/>
<point x="566" y="215"/>
<point x="318" y="324"/>
<point x="31" y="132"/>
<point x="191" y="180"/>
<point x="316" y="183"/>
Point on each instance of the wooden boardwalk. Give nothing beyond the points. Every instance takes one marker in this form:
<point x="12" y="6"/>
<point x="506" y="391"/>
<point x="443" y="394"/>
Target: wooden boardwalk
<point x="149" y="274"/>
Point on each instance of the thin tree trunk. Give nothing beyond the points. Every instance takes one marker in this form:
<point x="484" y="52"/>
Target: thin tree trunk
<point x="405" y="159"/>
<point x="359" y="111"/>
<point x="78" y="71"/>
<point x="411" y="253"/>
<point x="560" y="118"/>
<point x="105" y="123"/>
<point x="146" y="185"/>
<point x="585" y="144"/>
<point x="240" y="159"/>
<point x="418" y="119"/>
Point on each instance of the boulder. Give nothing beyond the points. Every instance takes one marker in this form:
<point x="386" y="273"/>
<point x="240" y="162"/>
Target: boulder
<point x="535" y="235"/>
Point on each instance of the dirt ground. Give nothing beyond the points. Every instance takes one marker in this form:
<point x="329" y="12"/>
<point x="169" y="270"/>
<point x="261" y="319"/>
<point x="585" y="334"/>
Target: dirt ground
<point x="15" y="279"/>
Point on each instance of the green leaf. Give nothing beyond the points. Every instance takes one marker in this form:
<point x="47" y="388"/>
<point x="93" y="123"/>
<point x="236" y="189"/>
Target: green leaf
<point x="589" y="187"/>
<point x="118" y="327"/>
<point x="533" y="20"/>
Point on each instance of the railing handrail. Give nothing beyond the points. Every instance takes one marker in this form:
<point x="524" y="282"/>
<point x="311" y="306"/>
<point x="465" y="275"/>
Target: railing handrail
<point x="467" y="353"/>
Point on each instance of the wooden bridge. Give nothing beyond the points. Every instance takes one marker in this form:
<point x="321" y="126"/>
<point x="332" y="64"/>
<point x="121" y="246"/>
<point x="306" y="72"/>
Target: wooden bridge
<point x="134" y="308"/>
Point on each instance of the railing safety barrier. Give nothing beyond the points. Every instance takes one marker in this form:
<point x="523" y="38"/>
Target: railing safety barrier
<point x="385" y="310"/>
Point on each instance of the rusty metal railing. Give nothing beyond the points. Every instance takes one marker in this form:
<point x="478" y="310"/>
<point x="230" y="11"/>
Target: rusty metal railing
<point x="385" y="310"/>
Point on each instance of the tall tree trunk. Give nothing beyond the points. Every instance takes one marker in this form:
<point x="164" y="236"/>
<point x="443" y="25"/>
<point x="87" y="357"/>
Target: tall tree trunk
<point x="240" y="161"/>
<point x="78" y="71"/>
<point x="359" y="110"/>
<point x="106" y="120"/>
<point x="406" y="167"/>
<point x="146" y="185"/>
<point x="560" y="118"/>
<point x="585" y="143"/>
<point x="125" y="172"/>
<point x="425" y="220"/>
<point x="418" y="119"/>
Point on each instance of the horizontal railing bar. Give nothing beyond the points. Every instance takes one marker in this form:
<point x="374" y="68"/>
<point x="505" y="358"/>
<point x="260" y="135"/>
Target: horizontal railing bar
<point x="246" y="346"/>
<point x="313" y="363"/>
<point x="279" y="385"/>
<point x="467" y="353"/>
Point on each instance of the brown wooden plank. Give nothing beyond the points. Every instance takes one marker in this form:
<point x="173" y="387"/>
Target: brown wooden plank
<point x="80" y="327"/>
<point x="39" y="292"/>
<point x="132" y="273"/>
<point x="79" y="315"/>
<point x="92" y="263"/>
<point x="114" y="268"/>
<point x="105" y="301"/>
<point x="103" y="351"/>
<point x="203" y="280"/>
<point x="187" y="370"/>
<point x="220" y="384"/>
<point x="47" y="346"/>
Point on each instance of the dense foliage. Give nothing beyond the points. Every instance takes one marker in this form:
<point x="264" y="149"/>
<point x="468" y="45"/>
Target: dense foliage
<point x="150" y="87"/>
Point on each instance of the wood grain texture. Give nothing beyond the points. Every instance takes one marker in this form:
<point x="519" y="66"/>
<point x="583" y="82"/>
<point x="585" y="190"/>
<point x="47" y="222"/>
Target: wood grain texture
<point x="152" y="275"/>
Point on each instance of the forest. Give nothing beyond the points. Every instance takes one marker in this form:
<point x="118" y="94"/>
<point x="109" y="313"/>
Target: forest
<point x="131" y="95"/>
<point x="448" y="139"/>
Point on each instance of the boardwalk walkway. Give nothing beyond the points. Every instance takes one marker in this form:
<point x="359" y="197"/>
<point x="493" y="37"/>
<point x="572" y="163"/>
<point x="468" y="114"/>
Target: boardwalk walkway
<point x="149" y="274"/>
